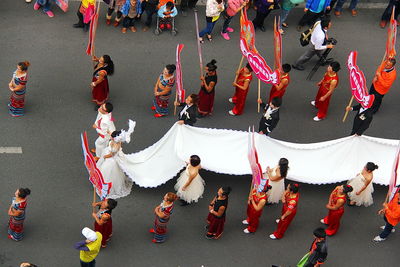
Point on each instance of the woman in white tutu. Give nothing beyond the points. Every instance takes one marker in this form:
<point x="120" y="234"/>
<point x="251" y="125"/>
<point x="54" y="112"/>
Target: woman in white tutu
<point x="110" y="161"/>
<point x="362" y="185"/>
<point x="190" y="185"/>
<point x="276" y="179"/>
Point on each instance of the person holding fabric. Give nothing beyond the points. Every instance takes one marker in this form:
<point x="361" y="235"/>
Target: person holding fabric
<point x="16" y="211"/>
<point x="319" y="39"/>
<point x="391" y="215"/>
<point x="383" y="80"/>
<point x="387" y="14"/>
<point x="213" y="11"/>
<point x="264" y="7"/>
<point x="255" y="206"/>
<point x="190" y="185"/>
<point x="362" y="119"/>
<point x="270" y="118"/>
<point x="104" y="126"/>
<point x="362" y="186"/>
<point x="162" y="91"/>
<point x="131" y="11"/>
<point x="115" y="6"/>
<point x="163" y="213"/>
<point x="217" y="213"/>
<point x="314" y="10"/>
<point x="17" y="87"/>
<point x="318" y="251"/>
<point x="45" y="4"/>
<point x="276" y="178"/>
<point x="112" y="161"/>
<point x="207" y="90"/>
<point x="84" y="13"/>
<point x="326" y="87"/>
<point x="103" y="220"/>
<point x="99" y="85"/>
<point x="89" y="248"/>
<point x="150" y="6"/>
<point x="242" y="86"/>
<point x="188" y="113"/>
<point x="280" y="89"/>
<point x="233" y="7"/>
<point x="335" y="205"/>
<point x="290" y="199"/>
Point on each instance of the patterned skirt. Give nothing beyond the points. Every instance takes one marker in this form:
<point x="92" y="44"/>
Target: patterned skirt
<point x="105" y="229"/>
<point x="215" y="226"/>
<point x="17" y="103"/>
<point x="160" y="229"/>
<point x="161" y="103"/>
<point x="16" y="228"/>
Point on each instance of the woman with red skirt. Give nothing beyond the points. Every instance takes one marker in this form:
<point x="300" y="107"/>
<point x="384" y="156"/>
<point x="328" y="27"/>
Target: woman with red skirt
<point x="255" y="206"/>
<point x="289" y="199"/>
<point x="280" y="89"/>
<point x="217" y="212"/>
<point x="326" y="87"/>
<point x="100" y="89"/>
<point x="242" y="85"/>
<point x="207" y="90"/>
<point x="335" y="205"/>
<point x="103" y="220"/>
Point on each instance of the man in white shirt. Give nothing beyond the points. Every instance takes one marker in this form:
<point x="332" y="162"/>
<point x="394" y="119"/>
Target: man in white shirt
<point x="318" y="45"/>
<point x="104" y="126"/>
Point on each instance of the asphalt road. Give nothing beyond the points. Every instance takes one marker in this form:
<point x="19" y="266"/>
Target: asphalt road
<point x="58" y="109"/>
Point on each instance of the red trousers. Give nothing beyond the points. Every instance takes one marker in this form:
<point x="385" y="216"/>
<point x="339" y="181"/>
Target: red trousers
<point x="322" y="106"/>
<point x="333" y="221"/>
<point x="239" y="99"/>
<point x="284" y="224"/>
<point x="253" y="217"/>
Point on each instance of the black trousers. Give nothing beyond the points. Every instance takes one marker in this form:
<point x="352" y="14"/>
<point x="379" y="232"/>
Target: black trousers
<point x="188" y="4"/>
<point x="310" y="18"/>
<point x="388" y="11"/>
<point x="80" y="18"/>
<point x="150" y="10"/>
<point x="378" y="99"/>
<point x="128" y="22"/>
<point x="258" y="21"/>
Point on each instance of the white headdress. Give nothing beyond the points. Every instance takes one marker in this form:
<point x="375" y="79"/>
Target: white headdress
<point x="125" y="136"/>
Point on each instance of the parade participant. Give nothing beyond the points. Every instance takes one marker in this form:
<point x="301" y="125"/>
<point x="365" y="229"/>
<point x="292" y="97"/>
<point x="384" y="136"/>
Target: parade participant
<point x="207" y="90"/>
<point x="45" y="4"/>
<point x="362" y="119"/>
<point x="103" y="220"/>
<point x="114" y="5"/>
<point x="382" y="82"/>
<point x="188" y="113"/>
<point x="190" y="185"/>
<point x="388" y="12"/>
<point x="17" y="87"/>
<point x="326" y="87"/>
<point x="16" y="211"/>
<point x="318" y="251"/>
<point x="163" y="213"/>
<point x="313" y="10"/>
<point x="104" y="126"/>
<point x="162" y="91"/>
<point x="242" y="86"/>
<point x="264" y="7"/>
<point x="255" y="206"/>
<point x="84" y="15"/>
<point x="233" y="7"/>
<point x="335" y="205"/>
<point x="290" y="199"/>
<point x="391" y="215"/>
<point x="276" y="178"/>
<point x="213" y="11"/>
<point x="280" y="89"/>
<point x="111" y="160"/>
<point x="131" y="15"/>
<point x="270" y="118"/>
<point x="339" y="6"/>
<point x="362" y="186"/>
<point x="217" y="213"/>
<point x="89" y="248"/>
<point x="150" y="6"/>
<point x="99" y="85"/>
<point x="318" y="43"/>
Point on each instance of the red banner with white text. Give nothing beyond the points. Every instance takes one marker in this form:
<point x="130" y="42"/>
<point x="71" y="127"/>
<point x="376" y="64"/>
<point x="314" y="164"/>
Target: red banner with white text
<point x="179" y="81"/>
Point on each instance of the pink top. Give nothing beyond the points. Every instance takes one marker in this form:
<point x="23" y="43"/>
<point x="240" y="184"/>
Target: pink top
<point x="233" y="5"/>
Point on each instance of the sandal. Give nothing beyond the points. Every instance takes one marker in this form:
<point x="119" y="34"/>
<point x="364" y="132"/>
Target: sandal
<point x="201" y="40"/>
<point x="209" y="37"/>
<point x="285" y="25"/>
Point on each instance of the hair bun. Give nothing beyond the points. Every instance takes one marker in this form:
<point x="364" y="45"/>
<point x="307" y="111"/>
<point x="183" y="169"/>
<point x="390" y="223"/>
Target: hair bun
<point x="213" y="61"/>
<point x="27" y="63"/>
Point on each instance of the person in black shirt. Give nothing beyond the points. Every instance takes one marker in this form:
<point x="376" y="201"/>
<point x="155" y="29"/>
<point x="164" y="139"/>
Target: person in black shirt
<point x="319" y="249"/>
<point x="207" y="90"/>
<point x="188" y="113"/>
<point x="217" y="211"/>
<point x="362" y="120"/>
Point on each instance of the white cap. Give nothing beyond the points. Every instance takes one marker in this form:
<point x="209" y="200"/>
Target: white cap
<point x="89" y="234"/>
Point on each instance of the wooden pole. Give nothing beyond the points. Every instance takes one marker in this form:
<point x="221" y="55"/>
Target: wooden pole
<point x="94" y="199"/>
<point x="238" y="69"/>
<point x="347" y="112"/>
<point x="176" y="99"/>
<point x="259" y="95"/>
<point x="198" y="44"/>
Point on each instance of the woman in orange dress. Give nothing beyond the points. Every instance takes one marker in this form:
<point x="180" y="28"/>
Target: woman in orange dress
<point x="99" y="85"/>
<point x="326" y="87"/>
<point x="242" y="85"/>
<point x="255" y="206"/>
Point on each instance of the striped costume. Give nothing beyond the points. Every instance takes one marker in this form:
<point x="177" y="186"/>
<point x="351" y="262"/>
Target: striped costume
<point x="161" y="102"/>
<point x="16" y="223"/>
<point x="17" y="99"/>
<point x="160" y="224"/>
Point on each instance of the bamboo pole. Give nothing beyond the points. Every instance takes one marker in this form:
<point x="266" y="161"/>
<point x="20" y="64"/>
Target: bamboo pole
<point x="94" y="199"/>
<point x="259" y="95"/>
<point x="347" y="112"/>
<point x="176" y="99"/>
<point x="238" y="69"/>
<point x="198" y="44"/>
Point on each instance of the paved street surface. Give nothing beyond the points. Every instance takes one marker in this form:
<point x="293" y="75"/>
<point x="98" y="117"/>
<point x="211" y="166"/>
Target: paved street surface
<point x="58" y="109"/>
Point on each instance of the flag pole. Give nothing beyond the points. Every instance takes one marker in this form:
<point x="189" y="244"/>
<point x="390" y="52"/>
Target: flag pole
<point x="347" y="112"/>
<point x="94" y="199"/>
<point x="238" y="69"/>
<point x="176" y="99"/>
<point x="198" y="43"/>
<point x="259" y="94"/>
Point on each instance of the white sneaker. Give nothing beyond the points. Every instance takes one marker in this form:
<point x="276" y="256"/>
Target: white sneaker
<point x="28" y="1"/>
<point x="231" y="113"/>
<point x="317" y="119"/>
<point x="312" y="103"/>
<point x="379" y="239"/>
<point x="322" y="221"/>
<point x="383" y="227"/>
<point x="231" y="100"/>
<point x="277" y="220"/>
<point x="246" y="231"/>
<point x="272" y="236"/>
<point x="245" y="222"/>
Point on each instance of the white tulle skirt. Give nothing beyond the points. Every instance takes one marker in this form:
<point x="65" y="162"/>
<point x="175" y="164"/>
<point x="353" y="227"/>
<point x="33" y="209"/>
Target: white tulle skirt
<point x="365" y="198"/>
<point x="194" y="191"/>
<point x="276" y="192"/>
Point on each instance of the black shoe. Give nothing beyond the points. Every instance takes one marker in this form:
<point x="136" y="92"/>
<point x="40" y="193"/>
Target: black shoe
<point x="210" y="236"/>
<point x="262" y="28"/>
<point x="183" y="202"/>
<point x="86" y="27"/>
<point x="298" y="67"/>
<point x="77" y="25"/>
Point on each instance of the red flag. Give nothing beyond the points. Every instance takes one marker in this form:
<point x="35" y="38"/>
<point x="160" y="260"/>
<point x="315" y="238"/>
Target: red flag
<point x="179" y="83"/>
<point x="391" y="38"/>
<point x="92" y="34"/>
<point x="277" y="46"/>
<point x="393" y="179"/>
<point x="258" y="181"/>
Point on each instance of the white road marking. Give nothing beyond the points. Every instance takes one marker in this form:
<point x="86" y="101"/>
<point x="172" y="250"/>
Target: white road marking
<point x="11" y="149"/>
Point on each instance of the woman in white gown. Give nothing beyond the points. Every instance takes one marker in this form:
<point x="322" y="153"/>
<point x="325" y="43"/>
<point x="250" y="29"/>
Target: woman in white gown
<point x="190" y="185"/>
<point x="110" y="161"/>
<point x="362" y="185"/>
<point x="276" y="179"/>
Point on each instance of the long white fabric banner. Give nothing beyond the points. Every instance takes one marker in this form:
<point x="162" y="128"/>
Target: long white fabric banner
<point x="225" y="151"/>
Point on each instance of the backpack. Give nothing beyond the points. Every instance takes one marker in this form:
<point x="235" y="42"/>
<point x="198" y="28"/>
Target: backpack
<point x="305" y="36"/>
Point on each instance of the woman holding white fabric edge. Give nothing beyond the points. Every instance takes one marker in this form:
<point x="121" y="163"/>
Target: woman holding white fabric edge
<point x="276" y="179"/>
<point x="362" y="185"/>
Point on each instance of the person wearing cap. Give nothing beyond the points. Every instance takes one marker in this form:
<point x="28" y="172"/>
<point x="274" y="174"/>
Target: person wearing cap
<point x="335" y="205"/>
<point x="89" y="248"/>
<point x="318" y="251"/>
<point x="391" y="212"/>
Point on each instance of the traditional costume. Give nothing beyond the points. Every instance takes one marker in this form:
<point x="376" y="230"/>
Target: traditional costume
<point x="160" y="224"/>
<point x="215" y="223"/>
<point x="324" y="88"/>
<point x="17" y="98"/>
<point x="104" y="127"/>
<point x="101" y="91"/>
<point x="106" y="228"/>
<point x="160" y="102"/>
<point x="365" y="198"/>
<point x="239" y="99"/>
<point x="194" y="191"/>
<point x="16" y="223"/>
<point x="206" y="99"/>
<point x="253" y="216"/>
<point x="334" y="216"/>
<point x="279" y="93"/>
<point x="290" y="204"/>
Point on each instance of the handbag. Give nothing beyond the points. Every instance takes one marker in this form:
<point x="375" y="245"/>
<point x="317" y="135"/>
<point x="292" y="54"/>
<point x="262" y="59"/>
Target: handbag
<point x="305" y="36"/>
<point x="303" y="260"/>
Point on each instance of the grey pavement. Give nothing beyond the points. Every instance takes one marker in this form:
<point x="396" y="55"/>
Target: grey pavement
<point x="58" y="109"/>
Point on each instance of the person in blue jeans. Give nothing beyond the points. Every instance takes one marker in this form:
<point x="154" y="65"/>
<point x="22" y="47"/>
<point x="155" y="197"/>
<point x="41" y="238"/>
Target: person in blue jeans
<point x="45" y="4"/>
<point x="213" y="11"/>
<point x="339" y="7"/>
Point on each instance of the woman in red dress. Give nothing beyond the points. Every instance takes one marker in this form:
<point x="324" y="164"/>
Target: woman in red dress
<point x="242" y="85"/>
<point x="335" y="205"/>
<point x="289" y="199"/>
<point x="207" y="90"/>
<point x="99" y="85"/>
<point x="217" y="212"/>
<point x="103" y="220"/>
<point x="280" y="89"/>
<point x="255" y="206"/>
<point x="326" y="87"/>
